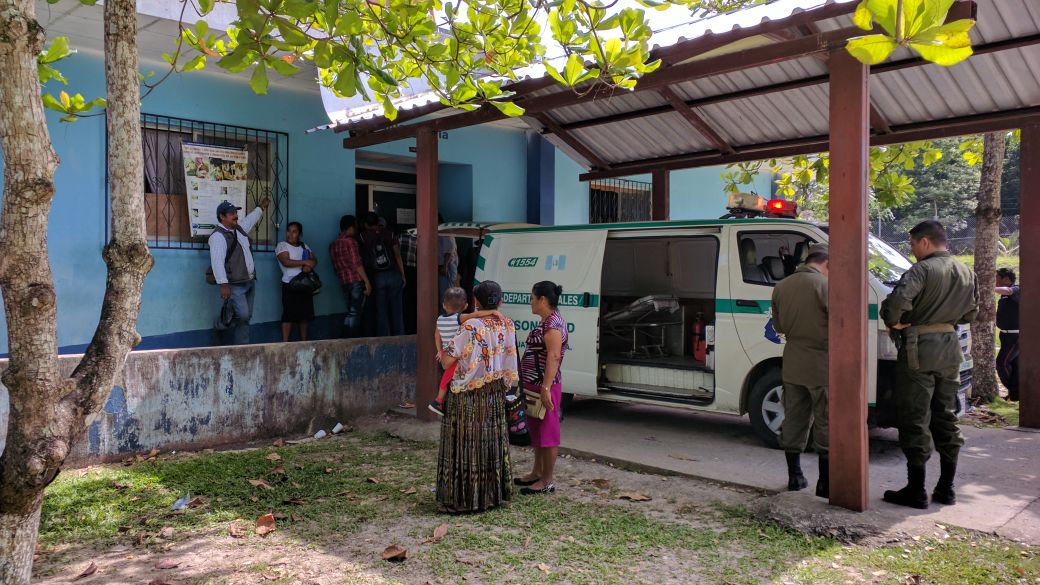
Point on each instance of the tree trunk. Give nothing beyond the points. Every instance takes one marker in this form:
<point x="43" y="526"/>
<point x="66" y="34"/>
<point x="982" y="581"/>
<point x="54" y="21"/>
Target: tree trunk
<point x="987" y="233"/>
<point x="48" y="414"/>
<point x="34" y="451"/>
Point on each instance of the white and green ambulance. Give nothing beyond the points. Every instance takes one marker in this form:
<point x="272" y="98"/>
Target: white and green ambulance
<point x="677" y="313"/>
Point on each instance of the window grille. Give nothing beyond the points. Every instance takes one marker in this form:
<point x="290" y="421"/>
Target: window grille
<point x="619" y="200"/>
<point x="165" y="193"/>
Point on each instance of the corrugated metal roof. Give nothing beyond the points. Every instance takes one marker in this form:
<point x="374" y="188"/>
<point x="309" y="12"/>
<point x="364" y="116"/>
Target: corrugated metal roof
<point x="985" y="83"/>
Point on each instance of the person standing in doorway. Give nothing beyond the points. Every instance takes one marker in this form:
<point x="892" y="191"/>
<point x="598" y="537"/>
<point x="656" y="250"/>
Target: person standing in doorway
<point x="295" y="257"/>
<point x="447" y="262"/>
<point x="923" y="310"/>
<point x="1007" y="322"/>
<point x="800" y="314"/>
<point x="346" y="260"/>
<point x="231" y="261"/>
<point x="382" y="259"/>
<point x="540" y="373"/>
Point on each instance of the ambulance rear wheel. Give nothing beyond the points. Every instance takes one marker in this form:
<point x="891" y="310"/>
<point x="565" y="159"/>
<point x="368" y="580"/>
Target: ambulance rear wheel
<point x="766" y="407"/>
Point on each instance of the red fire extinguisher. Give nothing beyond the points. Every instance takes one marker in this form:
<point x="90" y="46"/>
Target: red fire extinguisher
<point x="698" y="342"/>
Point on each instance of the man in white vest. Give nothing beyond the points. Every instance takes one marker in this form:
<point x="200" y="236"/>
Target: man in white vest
<point x="231" y="260"/>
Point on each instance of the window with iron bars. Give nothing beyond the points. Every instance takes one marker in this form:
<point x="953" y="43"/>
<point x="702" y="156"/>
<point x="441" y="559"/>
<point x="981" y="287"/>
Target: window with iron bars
<point x="619" y="200"/>
<point x="165" y="192"/>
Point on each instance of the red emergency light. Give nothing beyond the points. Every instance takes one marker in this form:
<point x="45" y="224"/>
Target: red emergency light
<point x="782" y="208"/>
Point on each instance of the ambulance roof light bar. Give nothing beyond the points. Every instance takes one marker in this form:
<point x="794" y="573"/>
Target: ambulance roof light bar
<point x="751" y="205"/>
<point x="782" y="208"/>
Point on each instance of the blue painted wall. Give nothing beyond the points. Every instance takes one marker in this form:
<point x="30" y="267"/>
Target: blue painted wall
<point x="694" y="193"/>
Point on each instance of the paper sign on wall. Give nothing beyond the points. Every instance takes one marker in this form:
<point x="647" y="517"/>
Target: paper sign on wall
<point x="405" y="216"/>
<point x="212" y="174"/>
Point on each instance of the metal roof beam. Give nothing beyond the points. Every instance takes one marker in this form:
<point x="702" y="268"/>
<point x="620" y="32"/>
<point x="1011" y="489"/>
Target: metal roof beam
<point x="728" y="63"/>
<point x="571" y="141"/>
<point x="699" y="124"/>
<point x="790" y="85"/>
<point x="931" y="130"/>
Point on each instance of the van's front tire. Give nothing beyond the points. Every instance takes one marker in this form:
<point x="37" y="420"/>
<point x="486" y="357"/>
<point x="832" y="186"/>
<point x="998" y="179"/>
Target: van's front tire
<point x="766" y="408"/>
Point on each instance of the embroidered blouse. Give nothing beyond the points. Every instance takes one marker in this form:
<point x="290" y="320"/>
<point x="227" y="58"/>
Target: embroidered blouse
<point x="486" y="351"/>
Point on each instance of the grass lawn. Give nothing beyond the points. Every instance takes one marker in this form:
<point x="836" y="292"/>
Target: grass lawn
<point x="1002" y="261"/>
<point x="340" y="502"/>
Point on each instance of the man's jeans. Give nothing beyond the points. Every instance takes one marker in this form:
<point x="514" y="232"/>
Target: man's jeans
<point x="388" y="291"/>
<point x="242" y="301"/>
<point x="355" y="295"/>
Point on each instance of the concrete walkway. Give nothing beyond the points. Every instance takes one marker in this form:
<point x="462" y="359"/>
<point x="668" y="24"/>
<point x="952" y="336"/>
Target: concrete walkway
<point x="998" y="481"/>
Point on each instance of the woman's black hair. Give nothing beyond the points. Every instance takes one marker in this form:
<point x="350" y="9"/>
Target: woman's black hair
<point x="298" y="225"/>
<point x="488" y="294"/>
<point x="549" y="290"/>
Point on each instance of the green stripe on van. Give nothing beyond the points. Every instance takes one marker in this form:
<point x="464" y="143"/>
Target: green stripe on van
<point x="480" y="262"/>
<point x="566" y="299"/>
<point x="487" y="241"/>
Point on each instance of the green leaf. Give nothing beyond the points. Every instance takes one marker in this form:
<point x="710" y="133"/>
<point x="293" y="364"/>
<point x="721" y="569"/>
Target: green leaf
<point x="554" y="73"/>
<point x="862" y="17"/>
<point x="349" y="24"/>
<point x="299" y="9"/>
<point x="941" y="54"/>
<point x="508" y="108"/>
<point x="65" y="100"/>
<point x="290" y="33"/>
<point x="199" y="62"/>
<point x="205" y="6"/>
<point x="573" y="70"/>
<point x="238" y="60"/>
<point x="283" y="67"/>
<point x="884" y="13"/>
<point x="201" y="29"/>
<point x="59" y="49"/>
<point x="51" y="103"/>
<point x="258" y="81"/>
<point x="871" y="49"/>
<point x="346" y="83"/>
<point x="99" y="103"/>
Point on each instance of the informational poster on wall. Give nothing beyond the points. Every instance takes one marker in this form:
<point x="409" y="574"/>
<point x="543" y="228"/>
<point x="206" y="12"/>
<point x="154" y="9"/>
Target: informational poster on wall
<point x="212" y="174"/>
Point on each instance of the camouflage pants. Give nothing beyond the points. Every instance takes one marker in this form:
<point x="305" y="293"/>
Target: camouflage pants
<point x="805" y="407"/>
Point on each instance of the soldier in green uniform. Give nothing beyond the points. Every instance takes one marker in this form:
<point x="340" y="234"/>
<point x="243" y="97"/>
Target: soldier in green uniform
<point x="935" y="295"/>
<point x="800" y="314"/>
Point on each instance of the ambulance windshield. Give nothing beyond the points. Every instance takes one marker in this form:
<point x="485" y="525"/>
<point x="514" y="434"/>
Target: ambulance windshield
<point x="885" y="262"/>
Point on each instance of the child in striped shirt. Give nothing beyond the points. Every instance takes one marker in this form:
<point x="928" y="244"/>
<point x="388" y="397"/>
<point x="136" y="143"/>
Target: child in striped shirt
<point x="448" y="326"/>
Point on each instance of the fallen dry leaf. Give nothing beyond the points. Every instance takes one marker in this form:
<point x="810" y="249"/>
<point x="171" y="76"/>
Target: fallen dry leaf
<point x="298" y="465"/>
<point x="278" y="443"/>
<point x="601" y="483"/>
<point x="294" y="518"/>
<point x="152" y="454"/>
<point x="913" y="580"/>
<point x="280" y="516"/>
<point x="260" y="484"/>
<point x="681" y="457"/>
<point x="265" y="524"/>
<point x="634" y="497"/>
<point x="121" y="486"/>
<point x="237" y="531"/>
<point x="278" y="470"/>
<point x="439" y="532"/>
<point x="460" y="558"/>
<point x="370" y="480"/>
<point x="273" y="457"/>
<point x="409" y="491"/>
<point x="196" y="502"/>
<point x="295" y="501"/>
<point x="90" y="570"/>
<point x="168" y="564"/>
<point x="394" y="553"/>
<point x="166" y="532"/>
<point x="544" y="568"/>
<point x="158" y="581"/>
<point x="254" y="499"/>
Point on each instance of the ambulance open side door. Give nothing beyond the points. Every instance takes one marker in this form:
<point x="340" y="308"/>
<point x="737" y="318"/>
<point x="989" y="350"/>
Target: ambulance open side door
<point x="570" y="258"/>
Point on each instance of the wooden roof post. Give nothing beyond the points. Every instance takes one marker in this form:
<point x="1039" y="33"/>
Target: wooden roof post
<point x="426" y="378"/>
<point x="660" y="201"/>
<point x="848" y="332"/>
<point x="1029" y="278"/>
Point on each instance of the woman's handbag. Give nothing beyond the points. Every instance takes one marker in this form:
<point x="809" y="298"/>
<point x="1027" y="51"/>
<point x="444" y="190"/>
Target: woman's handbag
<point x="516" y="415"/>
<point x="533" y="402"/>
<point x="306" y="282"/>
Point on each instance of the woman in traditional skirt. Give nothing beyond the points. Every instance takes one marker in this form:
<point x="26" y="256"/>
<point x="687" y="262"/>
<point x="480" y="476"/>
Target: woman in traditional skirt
<point x="473" y="466"/>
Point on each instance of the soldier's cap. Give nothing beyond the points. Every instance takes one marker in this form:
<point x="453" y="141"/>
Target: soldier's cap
<point x="818" y="249"/>
<point x="226" y="207"/>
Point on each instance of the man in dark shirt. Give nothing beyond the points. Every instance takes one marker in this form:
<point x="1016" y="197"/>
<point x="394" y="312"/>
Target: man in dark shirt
<point x="381" y="255"/>
<point x="1007" y="322"/>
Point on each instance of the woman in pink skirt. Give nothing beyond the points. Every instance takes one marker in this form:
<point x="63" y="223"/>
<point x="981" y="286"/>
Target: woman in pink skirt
<point x="540" y="373"/>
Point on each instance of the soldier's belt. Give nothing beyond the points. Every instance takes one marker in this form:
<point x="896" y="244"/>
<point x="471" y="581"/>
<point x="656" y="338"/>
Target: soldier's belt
<point x="910" y="335"/>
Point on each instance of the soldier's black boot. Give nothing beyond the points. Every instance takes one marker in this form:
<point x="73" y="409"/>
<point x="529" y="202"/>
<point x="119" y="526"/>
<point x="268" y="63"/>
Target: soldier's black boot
<point x="944" y="493"/>
<point x="795" y="480"/>
<point x="913" y="495"/>
<point x="823" y="485"/>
